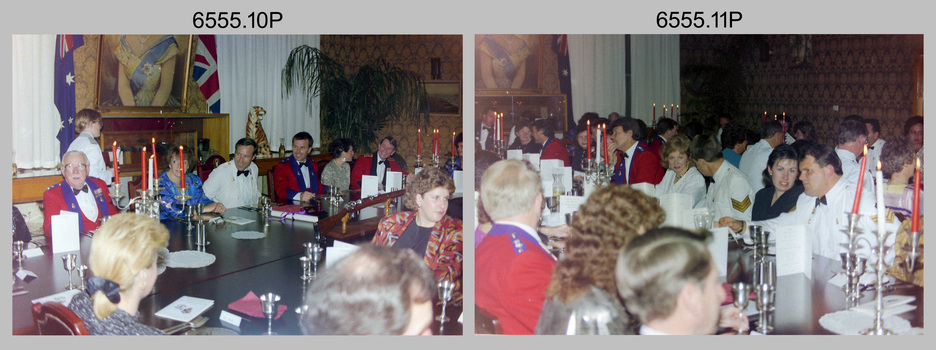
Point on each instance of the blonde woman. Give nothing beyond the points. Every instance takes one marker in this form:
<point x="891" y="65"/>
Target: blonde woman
<point x="123" y="262"/>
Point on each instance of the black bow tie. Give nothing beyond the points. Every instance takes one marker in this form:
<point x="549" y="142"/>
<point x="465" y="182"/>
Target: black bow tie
<point x="381" y="162"/>
<point x="871" y="148"/>
<point x="821" y="200"/>
<point x="245" y="172"/>
<point x="83" y="189"/>
<point x="303" y="164"/>
<point x="708" y="181"/>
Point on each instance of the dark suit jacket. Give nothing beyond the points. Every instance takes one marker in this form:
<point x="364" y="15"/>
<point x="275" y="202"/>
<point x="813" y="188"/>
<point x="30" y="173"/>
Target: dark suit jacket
<point x="367" y="165"/>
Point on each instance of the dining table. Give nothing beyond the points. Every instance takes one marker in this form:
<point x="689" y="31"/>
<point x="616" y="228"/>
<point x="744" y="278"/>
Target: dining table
<point x="269" y="263"/>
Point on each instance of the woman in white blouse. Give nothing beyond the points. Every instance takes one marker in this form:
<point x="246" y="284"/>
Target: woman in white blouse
<point x="681" y="175"/>
<point x="88" y="128"/>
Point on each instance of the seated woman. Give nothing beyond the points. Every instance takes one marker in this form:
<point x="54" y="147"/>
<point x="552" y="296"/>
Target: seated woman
<point x="170" y="182"/>
<point x="123" y="262"/>
<point x="579" y="158"/>
<point x="783" y="185"/>
<point x="337" y="173"/>
<point x="681" y="174"/>
<point x="898" y="164"/>
<point x="455" y="162"/>
<point x="427" y="230"/>
<point x="524" y="141"/>
<point x="583" y="282"/>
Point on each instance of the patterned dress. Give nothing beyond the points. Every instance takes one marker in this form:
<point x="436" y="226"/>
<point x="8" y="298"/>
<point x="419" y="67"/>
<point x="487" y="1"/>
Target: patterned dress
<point x="168" y="190"/>
<point x="337" y="176"/>
<point x="117" y="323"/>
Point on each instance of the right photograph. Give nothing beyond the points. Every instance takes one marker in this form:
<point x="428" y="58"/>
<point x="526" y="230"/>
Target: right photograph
<point x="698" y="184"/>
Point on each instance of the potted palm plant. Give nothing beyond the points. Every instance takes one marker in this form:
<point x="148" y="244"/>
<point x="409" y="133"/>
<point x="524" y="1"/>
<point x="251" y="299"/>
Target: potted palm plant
<point x="355" y="106"/>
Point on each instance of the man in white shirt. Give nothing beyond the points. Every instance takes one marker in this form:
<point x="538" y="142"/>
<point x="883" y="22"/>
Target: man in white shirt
<point x="852" y="138"/>
<point x="823" y="208"/>
<point x="730" y="194"/>
<point x="875" y="144"/>
<point x="754" y="160"/>
<point x="484" y="129"/>
<point x="667" y="278"/>
<point x="234" y="184"/>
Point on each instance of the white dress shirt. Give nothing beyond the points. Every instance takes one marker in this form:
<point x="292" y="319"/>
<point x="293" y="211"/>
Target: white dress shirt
<point x="225" y="186"/>
<point x="692" y="183"/>
<point x="96" y="166"/>
<point x="851" y="170"/>
<point x="753" y="162"/>
<point x="730" y="195"/>
<point x="86" y="203"/>
<point x="874" y="154"/>
<point x="629" y="160"/>
<point x="787" y="139"/>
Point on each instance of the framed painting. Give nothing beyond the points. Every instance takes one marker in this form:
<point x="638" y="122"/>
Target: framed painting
<point x="143" y="73"/>
<point x="445" y="98"/>
<point x="508" y="63"/>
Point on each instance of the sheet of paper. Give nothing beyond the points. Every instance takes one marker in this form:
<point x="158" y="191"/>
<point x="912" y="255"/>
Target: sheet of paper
<point x="337" y="252"/>
<point x="458" y="178"/>
<point x="185" y="309"/>
<point x="718" y="247"/>
<point x="677" y="206"/>
<point x="794" y="251"/>
<point x="62" y="298"/>
<point x="533" y="158"/>
<point x="368" y="185"/>
<point x="65" y="232"/>
<point x="515" y="154"/>
<point x="568" y="204"/>
<point x="230" y="318"/>
<point x="647" y="188"/>
<point x="567" y="179"/>
<point x="394" y="180"/>
<point x="29" y="253"/>
<point x="553" y="220"/>
<point x="548" y="167"/>
<point x="238" y="220"/>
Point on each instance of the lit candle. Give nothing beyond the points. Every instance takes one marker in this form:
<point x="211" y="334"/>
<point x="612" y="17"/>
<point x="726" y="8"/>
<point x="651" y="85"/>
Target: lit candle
<point x="677" y="114"/>
<point x="879" y="176"/>
<point x="155" y="161"/>
<point x="597" y="145"/>
<point x="114" y="162"/>
<point x="765" y="116"/>
<point x="181" y="168"/>
<point x="152" y="169"/>
<point x="606" y="145"/>
<point x="588" y="145"/>
<point x="143" y="164"/>
<point x="915" y="215"/>
<point x="418" y="141"/>
<point x="861" y="172"/>
<point x="671" y="111"/>
<point x="654" y="113"/>
<point x="453" y="145"/>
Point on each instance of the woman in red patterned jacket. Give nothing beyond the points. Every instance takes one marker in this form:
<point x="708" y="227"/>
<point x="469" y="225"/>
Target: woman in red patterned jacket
<point x="426" y="229"/>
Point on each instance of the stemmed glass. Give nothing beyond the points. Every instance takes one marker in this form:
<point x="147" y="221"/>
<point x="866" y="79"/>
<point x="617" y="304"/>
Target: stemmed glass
<point x="268" y="304"/>
<point x="765" y="296"/>
<point x="82" y="272"/>
<point x="445" y="294"/>
<point x="18" y="247"/>
<point x="741" y="294"/>
<point x="71" y="262"/>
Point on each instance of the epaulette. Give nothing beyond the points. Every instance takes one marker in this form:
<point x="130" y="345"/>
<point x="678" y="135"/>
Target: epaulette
<point x="54" y="186"/>
<point x="284" y="160"/>
<point x="640" y="148"/>
<point x="518" y="245"/>
<point x="741" y="205"/>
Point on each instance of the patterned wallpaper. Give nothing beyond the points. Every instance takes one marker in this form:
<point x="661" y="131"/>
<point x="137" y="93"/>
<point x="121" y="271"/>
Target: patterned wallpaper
<point x="868" y="75"/>
<point x="411" y="52"/>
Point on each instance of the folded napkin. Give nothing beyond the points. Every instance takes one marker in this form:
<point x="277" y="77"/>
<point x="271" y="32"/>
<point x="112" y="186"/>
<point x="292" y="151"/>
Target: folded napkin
<point x="729" y="298"/>
<point x="291" y="212"/>
<point x="250" y="306"/>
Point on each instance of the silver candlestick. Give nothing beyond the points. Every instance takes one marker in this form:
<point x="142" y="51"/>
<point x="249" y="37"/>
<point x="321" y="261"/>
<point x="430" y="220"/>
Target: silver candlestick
<point x="881" y="267"/>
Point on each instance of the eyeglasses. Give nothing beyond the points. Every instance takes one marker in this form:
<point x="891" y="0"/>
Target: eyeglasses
<point x="73" y="167"/>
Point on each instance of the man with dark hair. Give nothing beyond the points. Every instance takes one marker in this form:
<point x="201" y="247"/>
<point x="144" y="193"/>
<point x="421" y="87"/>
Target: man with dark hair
<point x="665" y="130"/>
<point x="730" y="194"/>
<point x="373" y="291"/>
<point x="484" y="128"/>
<point x="613" y="116"/>
<point x="823" y="207"/>
<point x="875" y="144"/>
<point x="543" y="133"/>
<point x="754" y="160"/>
<point x="234" y="184"/>
<point x="377" y="163"/>
<point x="804" y="130"/>
<point x="668" y="280"/>
<point x="723" y="121"/>
<point x="636" y="163"/>
<point x="852" y="138"/>
<point x="734" y="142"/>
<point x="296" y="177"/>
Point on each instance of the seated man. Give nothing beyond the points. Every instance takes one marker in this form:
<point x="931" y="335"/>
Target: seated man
<point x="373" y="291"/>
<point x="667" y="278"/>
<point x="87" y="196"/>
<point x="852" y="138"/>
<point x="296" y="177"/>
<point x="513" y="267"/>
<point x="730" y="194"/>
<point x="636" y="163"/>
<point x="823" y="207"/>
<point x="543" y="131"/>
<point x="734" y="143"/>
<point x="754" y="160"/>
<point x="234" y="184"/>
<point x="665" y="130"/>
<point x="376" y="164"/>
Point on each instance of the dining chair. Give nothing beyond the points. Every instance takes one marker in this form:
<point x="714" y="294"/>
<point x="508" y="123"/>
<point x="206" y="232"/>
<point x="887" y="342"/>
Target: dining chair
<point x="485" y="323"/>
<point x="52" y="318"/>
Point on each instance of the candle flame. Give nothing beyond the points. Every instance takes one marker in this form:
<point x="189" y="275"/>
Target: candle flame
<point x="918" y="164"/>
<point x="879" y="165"/>
<point x="115" y="143"/>
<point x="865" y="152"/>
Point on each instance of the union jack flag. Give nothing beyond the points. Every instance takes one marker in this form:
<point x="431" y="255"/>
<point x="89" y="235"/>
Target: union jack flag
<point x="205" y="71"/>
<point x="65" y="46"/>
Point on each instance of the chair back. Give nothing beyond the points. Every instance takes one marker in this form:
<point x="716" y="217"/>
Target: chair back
<point x="485" y="323"/>
<point x="210" y="164"/>
<point x="52" y="318"/>
<point x="132" y="187"/>
<point x="270" y="189"/>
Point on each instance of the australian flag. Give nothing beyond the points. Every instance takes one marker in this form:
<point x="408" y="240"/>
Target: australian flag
<point x="65" y="46"/>
<point x="205" y="71"/>
<point x="561" y="47"/>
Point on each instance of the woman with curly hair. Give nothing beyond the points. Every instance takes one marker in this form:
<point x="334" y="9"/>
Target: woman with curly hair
<point x="898" y="164"/>
<point x="681" y="174"/>
<point x="583" y="285"/>
<point x="337" y="173"/>
<point x="426" y="229"/>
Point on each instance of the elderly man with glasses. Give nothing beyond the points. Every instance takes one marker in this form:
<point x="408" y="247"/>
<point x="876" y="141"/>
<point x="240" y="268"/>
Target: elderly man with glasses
<point x="87" y="196"/>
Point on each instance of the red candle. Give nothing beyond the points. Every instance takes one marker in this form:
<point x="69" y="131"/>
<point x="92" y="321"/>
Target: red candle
<point x="765" y="116"/>
<point x="671" y="111"/>
<point x="677" y="114"/>
<point x="143" y="164"/>
<point x="605" y="135"/>
<point x="181" y="168"/>
<point x="654" y="113"/>
<point x="114" y="163"/>
<point x="155" y="161"/>
<point x="861" y="173"/>
<point x="915" y="216"/>
<point x="418" y="141"/>
<point x="588" y="146"/>
<point x="453" y="144"/>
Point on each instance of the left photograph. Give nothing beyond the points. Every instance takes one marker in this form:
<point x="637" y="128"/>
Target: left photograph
<point x="168" y="184"/>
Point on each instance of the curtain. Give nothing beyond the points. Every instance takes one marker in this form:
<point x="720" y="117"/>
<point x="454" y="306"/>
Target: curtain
<point x="598" y="70"/>
<point x="36" y="121"/>
<point x="655" y="75"/>
<point x="249" y="69"/>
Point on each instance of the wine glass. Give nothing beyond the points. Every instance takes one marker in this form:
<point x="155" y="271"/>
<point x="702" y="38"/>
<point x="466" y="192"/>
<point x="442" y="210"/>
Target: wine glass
<point x="70" y="261"/>
<point x="268" y="304"/>
<point x="552" y="202"/>
<point x="18" y="247"/>
<point x="306" y="262"/>
<point x="445" y="294"/>
<point x="82" y="272"/>
<point x="741" y="293"/>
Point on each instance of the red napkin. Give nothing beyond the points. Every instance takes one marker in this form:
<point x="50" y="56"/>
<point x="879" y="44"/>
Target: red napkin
<point x="250" y="305"/>
<point x="730" y="299"/>
<point x="289" y="208"/>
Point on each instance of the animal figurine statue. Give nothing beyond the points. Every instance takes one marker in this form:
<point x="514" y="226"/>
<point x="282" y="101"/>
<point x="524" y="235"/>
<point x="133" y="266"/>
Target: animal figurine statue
<point x="255" y="131"/>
